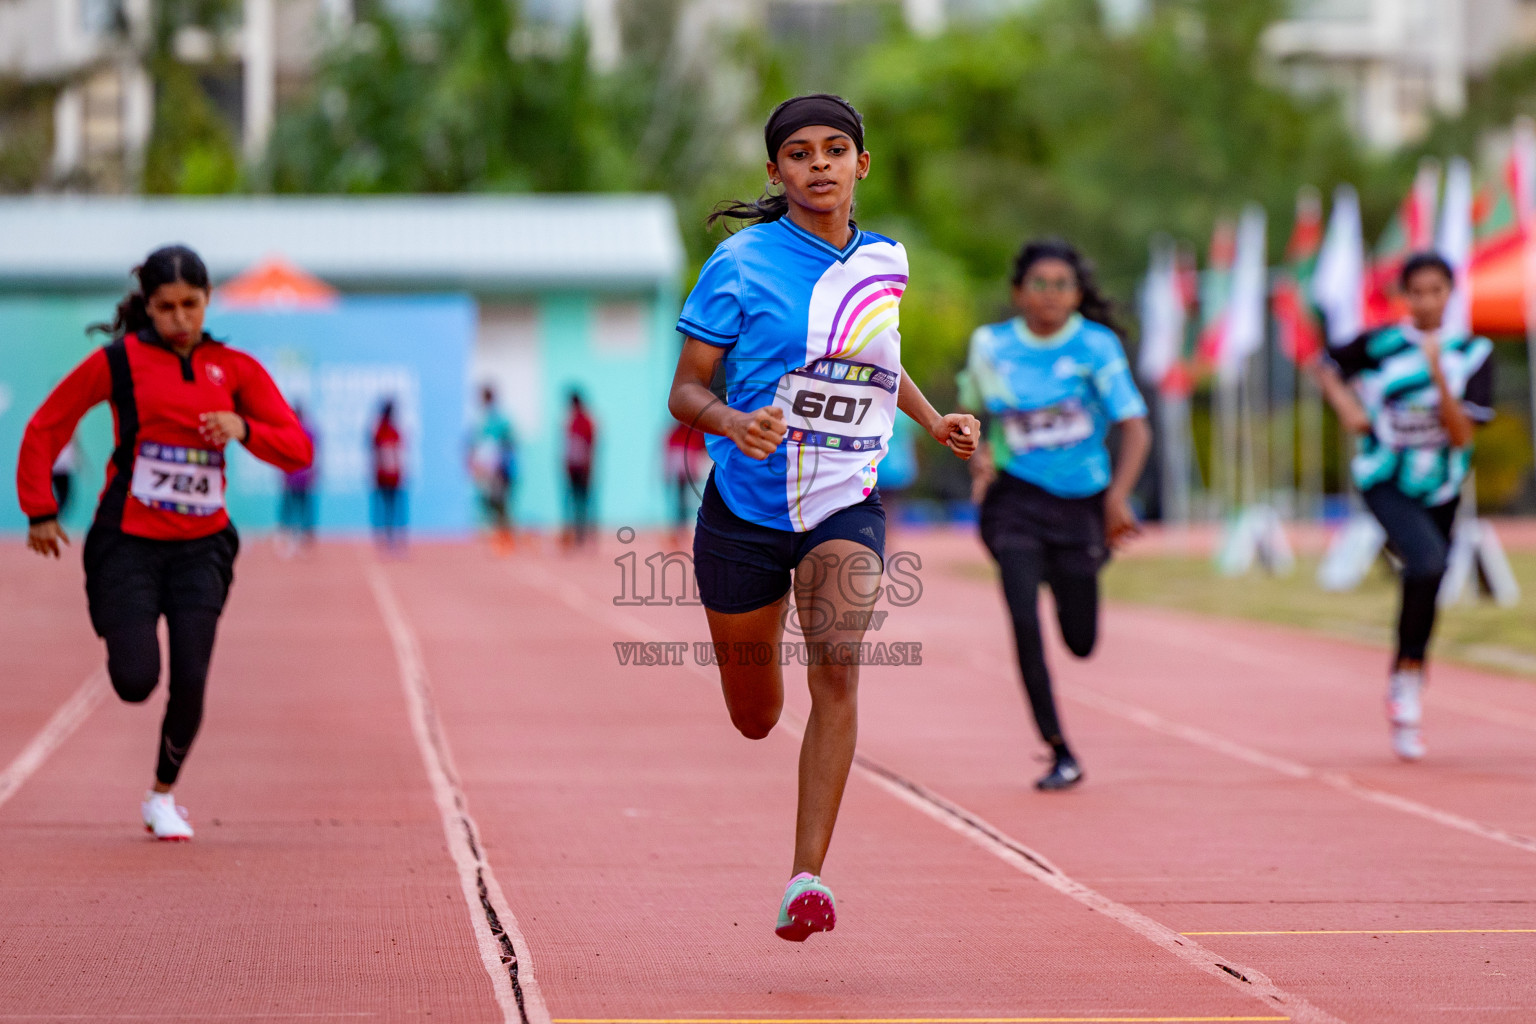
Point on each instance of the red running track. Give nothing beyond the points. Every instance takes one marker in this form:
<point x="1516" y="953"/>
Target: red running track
<point x="428" y="789"/>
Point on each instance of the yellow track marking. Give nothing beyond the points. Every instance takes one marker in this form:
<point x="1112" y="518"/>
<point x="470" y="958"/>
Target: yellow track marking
<point x="1385" y="931"/>
<point x="907" y="1020"/>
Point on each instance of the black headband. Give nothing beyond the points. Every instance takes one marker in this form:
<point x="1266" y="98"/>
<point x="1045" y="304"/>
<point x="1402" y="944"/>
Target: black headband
<point x="819" y="108"/>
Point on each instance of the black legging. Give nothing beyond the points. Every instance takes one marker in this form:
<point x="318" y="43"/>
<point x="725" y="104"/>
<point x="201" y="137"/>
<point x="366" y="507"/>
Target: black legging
<point x="1421" y="538"/>
<point x="1077" y="611"/>
<point x="133" y="663"/>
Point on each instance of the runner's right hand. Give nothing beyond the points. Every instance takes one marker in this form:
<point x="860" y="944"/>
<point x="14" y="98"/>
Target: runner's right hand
<point x="44" y="538"/>
<point x="758" y="433"/>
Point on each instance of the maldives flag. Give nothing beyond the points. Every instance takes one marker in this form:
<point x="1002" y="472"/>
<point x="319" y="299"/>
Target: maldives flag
<point x="1300" y="331"/>
<point x="1216" y="294"/>
<point x="1503" y="254"/>
<point x="1500" y="212"/>
<point x="1454" y="243"/>
<point x="1411" y="230"/>
<point x="1338" y="281"/>
<point x="1166" y="299"/>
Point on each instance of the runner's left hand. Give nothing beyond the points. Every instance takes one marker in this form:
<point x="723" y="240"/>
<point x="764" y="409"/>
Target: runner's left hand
<point x="1120" y="523"/>
<point x="960" y="431"/>
<point x="220" y="428"/>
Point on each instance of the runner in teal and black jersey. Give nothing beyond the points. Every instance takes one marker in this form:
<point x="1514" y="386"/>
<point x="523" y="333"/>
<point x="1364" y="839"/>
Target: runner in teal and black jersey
<point x="1414" y="396"/>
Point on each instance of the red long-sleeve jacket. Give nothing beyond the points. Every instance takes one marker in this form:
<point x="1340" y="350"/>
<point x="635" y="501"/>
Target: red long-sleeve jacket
<point x="156" y="407"/>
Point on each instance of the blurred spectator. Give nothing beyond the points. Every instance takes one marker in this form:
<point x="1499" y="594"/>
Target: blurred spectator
<point x="388" y="481"/>
<point x="580" y="445"/>
<point x="493" y="465"/>
<point x="296" y="512"/>
<point x="687" y="465"/>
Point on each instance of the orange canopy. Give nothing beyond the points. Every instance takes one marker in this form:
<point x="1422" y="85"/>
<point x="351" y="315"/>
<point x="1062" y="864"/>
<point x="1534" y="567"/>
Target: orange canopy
<point x="1498" y="289"/>
<point x="276" y="282"/>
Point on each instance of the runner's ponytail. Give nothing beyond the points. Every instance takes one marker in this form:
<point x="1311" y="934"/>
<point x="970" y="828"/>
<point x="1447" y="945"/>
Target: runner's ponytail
<point x="1095" y="305"/>
<point x="165" y="265"/>
<point x="765" y="208"/>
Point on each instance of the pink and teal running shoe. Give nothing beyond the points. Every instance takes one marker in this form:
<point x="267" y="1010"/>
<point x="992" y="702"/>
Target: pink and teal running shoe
<point x="808" y="907"/>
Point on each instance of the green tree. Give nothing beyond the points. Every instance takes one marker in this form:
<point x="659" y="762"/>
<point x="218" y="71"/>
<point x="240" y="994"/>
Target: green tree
<point x="471" y="100"/>
<point x="192" y="147"/>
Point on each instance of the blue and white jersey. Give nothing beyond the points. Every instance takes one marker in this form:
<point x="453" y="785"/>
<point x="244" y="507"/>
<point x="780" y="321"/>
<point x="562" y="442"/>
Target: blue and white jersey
<point x="1051" y="401"/>
<point x="813" y="330"/>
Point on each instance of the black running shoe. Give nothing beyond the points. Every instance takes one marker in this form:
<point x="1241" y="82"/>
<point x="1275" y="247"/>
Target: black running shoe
<point x="1064" y="774"/>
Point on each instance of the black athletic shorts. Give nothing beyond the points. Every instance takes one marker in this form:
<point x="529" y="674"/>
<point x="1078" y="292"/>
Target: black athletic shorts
<point x="742" y="566"/>
<point x="131" y="579"/>
<point x="1067" y="532"/>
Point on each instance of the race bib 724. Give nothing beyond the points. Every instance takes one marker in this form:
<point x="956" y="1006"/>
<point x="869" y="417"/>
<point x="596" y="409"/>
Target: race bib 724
<point x="176" y="479"/>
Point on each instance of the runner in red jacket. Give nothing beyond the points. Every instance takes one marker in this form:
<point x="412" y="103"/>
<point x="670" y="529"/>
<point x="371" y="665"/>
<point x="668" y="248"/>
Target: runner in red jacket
<point x="161" y="542"/>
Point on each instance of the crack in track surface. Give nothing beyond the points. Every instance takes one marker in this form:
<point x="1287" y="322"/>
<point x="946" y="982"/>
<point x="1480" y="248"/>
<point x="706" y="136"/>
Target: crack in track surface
<point x="989" y="837"/>
<point x="495" y="927"/>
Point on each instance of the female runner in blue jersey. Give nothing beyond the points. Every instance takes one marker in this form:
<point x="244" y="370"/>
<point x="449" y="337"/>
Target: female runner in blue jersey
<point x="796" y="315"/>
<point x="1052" y="381"/>
<point x="1413" y="395"/>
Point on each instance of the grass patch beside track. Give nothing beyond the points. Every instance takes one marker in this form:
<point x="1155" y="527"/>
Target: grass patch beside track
<point x="1478" y="633"/>
<point x="1475" y="633"/>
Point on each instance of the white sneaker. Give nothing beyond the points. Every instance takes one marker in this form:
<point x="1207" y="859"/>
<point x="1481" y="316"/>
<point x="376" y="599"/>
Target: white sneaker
<point x="1407" y="742"/>
<point x="1404" y="706"/>
<point x="164" y="818"/>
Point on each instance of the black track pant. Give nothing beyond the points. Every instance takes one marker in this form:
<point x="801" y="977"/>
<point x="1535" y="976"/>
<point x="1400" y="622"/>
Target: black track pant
<point x="131" y="583"/>
<point x="1038" y="537"/>
<point x="1421" y="538"/>
<point x="1077" y="612"/>
<point x="133" y="662"/>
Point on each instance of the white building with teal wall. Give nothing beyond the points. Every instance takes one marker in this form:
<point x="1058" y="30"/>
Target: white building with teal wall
<point x="535" y="295"/>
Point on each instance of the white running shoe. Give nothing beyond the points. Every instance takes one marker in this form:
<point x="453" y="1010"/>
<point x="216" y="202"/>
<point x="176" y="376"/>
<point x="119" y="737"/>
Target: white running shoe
<point x="1407" y="742"/>
<point x="164" y="818"/>
<point x="1404" y="706"/>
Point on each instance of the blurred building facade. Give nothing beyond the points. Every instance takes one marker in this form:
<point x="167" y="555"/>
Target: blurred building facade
<point x="94" y="53"/>
<point x="1397" y="63"/>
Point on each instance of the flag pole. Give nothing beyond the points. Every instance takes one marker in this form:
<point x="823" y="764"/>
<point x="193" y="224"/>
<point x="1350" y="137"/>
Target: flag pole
<point x="1524" y="187"/>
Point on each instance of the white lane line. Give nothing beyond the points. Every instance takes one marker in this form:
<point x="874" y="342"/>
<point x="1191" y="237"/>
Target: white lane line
<point x="1256" y="656"/>
<point x="1009" y="850"/>
<point x="53" y="734"/>
<point x="1335" y="780"/>
<point x="503" y="949"/>
<point x="992" y="839"/>
<point x="1477" y="709"/>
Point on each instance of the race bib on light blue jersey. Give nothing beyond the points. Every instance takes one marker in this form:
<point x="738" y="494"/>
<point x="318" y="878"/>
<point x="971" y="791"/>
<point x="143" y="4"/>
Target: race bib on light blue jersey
<point x="1051" y="401"/>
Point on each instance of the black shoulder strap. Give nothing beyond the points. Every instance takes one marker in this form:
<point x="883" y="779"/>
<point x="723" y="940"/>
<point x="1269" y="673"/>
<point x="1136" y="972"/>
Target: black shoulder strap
<point x="123" y="402"/>
<point x="115" y="498"/>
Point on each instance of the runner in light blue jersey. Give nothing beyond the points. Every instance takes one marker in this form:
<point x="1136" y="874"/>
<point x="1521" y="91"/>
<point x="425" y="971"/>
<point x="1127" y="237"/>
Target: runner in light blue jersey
<point x="1052" y="382"/>
<point x="797" y="315"/>
<point x="1052" y="400"/>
